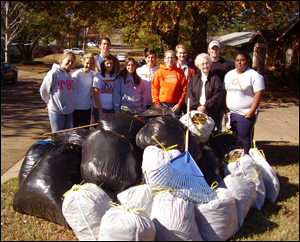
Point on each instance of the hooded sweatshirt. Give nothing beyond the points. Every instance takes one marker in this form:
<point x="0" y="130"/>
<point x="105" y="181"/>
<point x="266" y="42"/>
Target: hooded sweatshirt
<point x="146" y="75"/>
<point x="128" y="94"/>
<point x="168" y="85"/>
<point x="58" y="90"/>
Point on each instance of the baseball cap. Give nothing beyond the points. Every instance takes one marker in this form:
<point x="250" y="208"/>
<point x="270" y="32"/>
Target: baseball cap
<point x="214" y="43"/>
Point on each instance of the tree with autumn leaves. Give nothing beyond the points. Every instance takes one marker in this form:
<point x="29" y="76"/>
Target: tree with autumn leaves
<point x="178" y="21"/>
<point x="172" y="22"/>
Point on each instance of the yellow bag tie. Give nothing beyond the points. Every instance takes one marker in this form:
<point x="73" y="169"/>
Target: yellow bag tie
<point x="256" y="174"/>
<point x="127" y="210"/>
<point x="214" y="185"/>
<point x="126" y="108"/>
<point x="223" y="133"/>
<point x="256" y="150"/>
<point x="165" y="149"/>
<point x="213" y="136"/>
<point x="161" y="190"/>
<point x="76" y="188"/>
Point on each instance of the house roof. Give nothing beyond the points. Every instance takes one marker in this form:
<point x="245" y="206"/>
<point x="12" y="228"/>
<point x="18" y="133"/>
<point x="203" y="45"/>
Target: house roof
<point x="287" y="30"/>
<point x="235" y="38"/>
<point x="268" y="35"/>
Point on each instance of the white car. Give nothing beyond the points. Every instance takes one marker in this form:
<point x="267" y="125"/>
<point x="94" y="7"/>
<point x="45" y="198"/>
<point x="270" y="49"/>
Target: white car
<point x="76" y="51"/>
<point x="121" y="56"/>
<point x="91" y="44"/>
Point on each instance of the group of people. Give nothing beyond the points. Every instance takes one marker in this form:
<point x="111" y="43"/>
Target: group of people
<point x="211" y="84"/>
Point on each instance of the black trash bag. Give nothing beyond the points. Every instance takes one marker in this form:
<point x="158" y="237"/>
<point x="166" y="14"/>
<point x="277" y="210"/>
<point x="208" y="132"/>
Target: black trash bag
<point x="109" y="160"/>
<point x="224" y="142"/>
<point x="34" y="153"/>
<point x="122" y="123"/>
<point x="41" y="193"/>
<point x="75" y="136"/>
<point x="168" y="131"/>
<point x="156" y="111"/>
<point x="210" y="166"/>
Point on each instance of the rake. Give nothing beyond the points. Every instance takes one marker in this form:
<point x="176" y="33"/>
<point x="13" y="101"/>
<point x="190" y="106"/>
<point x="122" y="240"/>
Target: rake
<point x="182" y="177"/>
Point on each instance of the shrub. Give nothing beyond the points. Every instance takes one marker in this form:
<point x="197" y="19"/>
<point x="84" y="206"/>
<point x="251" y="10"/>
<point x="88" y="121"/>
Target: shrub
<point x="31" y="63"/>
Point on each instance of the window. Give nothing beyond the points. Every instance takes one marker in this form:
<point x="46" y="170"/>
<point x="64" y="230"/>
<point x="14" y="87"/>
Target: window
<point x="288" y="55"/>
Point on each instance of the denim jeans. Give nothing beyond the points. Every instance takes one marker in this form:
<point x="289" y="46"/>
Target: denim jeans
<point x="60" y="121"/>
<point x="244" y="128"/>
<point x="170" y="106"/>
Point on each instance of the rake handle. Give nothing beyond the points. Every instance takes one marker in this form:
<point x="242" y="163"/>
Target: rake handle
<point x="80" y="127"/>
<point x="188" y="124"/>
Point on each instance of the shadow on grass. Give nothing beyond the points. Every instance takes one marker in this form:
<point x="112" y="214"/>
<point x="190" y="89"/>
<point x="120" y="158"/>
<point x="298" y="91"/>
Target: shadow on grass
<point x="280" y="153"/>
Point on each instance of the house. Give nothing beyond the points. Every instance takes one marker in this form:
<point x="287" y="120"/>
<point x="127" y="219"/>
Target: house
<point x="238" y="41"/>
<point x="275" y="47"/>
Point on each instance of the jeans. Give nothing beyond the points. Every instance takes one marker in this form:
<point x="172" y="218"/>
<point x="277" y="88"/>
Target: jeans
<point x="170" y="106"/>
<point x="244" y="129"/>
<point x="60" y="121"/>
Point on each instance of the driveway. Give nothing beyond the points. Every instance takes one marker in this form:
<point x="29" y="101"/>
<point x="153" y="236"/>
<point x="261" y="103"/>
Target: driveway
<point x="24" y="120"/>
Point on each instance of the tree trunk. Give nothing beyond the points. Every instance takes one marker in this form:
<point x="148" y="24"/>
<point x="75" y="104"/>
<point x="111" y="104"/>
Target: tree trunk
<point x="198" y="38"/>
<point x="7" y="52"/>
<point x="26" y="51"/>
<point x="7" y="35"/>
<point x="170" y="38"/>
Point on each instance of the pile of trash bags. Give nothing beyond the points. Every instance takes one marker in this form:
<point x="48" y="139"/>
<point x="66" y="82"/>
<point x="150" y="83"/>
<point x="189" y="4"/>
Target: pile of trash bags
<point x="100" y="183"/>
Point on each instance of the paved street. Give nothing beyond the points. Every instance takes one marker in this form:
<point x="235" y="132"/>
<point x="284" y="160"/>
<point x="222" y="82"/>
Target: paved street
<point x="24" y="120"/>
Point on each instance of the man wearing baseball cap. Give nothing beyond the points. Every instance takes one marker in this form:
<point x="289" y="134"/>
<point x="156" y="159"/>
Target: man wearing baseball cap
<point x="218" y="67"/>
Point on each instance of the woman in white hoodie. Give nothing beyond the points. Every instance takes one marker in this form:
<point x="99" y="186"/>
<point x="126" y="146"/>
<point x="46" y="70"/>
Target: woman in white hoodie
<point x="57" y="90"/>
<point x="146" y="73"/>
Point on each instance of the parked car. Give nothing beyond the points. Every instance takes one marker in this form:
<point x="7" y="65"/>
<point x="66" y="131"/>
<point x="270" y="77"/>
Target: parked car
<point x="121" y="56"/>
<point x="76" y="51"/>
<point x="91" y="44"/>
<point x="8" y="73"/>
<point x="140" y="63"/>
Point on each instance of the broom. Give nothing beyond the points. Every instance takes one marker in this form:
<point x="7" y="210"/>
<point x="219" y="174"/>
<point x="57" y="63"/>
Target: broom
<point x="182" y="177"/>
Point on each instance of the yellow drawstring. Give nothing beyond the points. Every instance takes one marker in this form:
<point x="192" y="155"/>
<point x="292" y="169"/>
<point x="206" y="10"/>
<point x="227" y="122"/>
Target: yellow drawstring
<point x="76" y="188"/>
<point x="161" y="190"/>
<point x="255" y="149"/>
<point x="165" y="149"/>
<point x="213" y="136"/>
<point x="214" y="185"/>
<point x="127" y="210"/>
<point x="256" y="174"/>
<point x="125" y="107"/>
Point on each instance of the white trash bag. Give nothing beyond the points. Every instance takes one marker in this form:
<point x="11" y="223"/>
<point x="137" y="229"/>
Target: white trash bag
<point x="124" y="224"/>
<point x="218" y="219"/>
<point x="270" y="178"/>
<point x="243" y="190"/>
<point x="137" y="197"/>
<point x="201" y="128"/>
<point x="174" y="218"/>
<point x="154" y="157"/>
<point x="83" y="208"/>
<point x="245" y="166"/>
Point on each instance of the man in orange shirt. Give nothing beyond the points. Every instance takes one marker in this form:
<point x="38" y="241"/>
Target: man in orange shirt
<point x="169" y="84"/>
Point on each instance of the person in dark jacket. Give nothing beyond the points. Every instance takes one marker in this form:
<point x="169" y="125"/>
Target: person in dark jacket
<point x="205" y="90"/>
